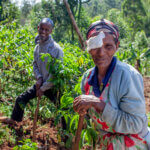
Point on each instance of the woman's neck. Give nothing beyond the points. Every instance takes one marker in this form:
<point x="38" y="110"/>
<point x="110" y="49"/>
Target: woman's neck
<point x="101" y="73"/>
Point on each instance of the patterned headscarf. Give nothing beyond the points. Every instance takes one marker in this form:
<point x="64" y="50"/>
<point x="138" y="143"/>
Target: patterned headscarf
<point x="105" y="26"/>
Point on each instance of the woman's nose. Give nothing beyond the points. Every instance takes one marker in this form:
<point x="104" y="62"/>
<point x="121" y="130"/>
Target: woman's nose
<point x="100" y="51"/>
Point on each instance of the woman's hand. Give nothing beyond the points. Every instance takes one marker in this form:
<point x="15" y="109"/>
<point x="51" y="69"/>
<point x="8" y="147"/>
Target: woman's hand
<point x="83" y="102"/>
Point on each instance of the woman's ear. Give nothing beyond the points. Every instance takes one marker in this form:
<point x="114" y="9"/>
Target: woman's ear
<point x="117" y="45"/>
<point x="38" y="28"/>
<point x="50" y="31"/>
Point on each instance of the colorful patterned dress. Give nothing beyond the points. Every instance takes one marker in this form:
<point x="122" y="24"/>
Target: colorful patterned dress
<point x="109" y="139"/>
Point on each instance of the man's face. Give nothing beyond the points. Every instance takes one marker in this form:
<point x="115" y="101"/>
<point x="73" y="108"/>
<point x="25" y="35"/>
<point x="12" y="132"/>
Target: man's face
<point x="44" y="29"/>
<point x="102" y="56"/>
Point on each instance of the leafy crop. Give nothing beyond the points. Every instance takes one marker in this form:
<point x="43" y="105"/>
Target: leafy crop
<point x="16" y="56"/>
<point x="5" y="135"/>
<point x="26" y="144"/>
<point x="148" y="115"/>
<point x="16" y="75"/>
<point x="66" y="78"/>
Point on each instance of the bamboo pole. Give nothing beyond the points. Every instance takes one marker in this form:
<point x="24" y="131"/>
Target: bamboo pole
<point x="81" y="39"/>
<point x="78" y="133"/>
<point x="35" y="120"/>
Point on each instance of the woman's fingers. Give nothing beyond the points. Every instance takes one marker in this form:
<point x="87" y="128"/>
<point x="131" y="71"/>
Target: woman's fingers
<point x="81" y="103"/>
<point x="82" y="112"/>
<point x="81" y="107"/>
<point x="76" y="99"/>
<point x="78" y="105"/>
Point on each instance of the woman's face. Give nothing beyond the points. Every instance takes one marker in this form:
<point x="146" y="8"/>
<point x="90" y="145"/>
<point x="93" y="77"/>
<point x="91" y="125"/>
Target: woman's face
<point x="102" y="57"/>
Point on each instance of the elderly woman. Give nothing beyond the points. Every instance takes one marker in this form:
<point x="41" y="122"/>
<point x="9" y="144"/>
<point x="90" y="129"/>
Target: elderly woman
<point x="113" y="93"/>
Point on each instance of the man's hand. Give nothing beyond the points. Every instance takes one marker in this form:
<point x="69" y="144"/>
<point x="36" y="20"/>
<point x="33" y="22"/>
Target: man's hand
<point x="83" y="102"/>
<point x="39" y="83"/>
<point x="39" y="93"/>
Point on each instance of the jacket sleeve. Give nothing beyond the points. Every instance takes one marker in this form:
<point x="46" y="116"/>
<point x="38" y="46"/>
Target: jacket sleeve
<point x="47" y="84"/>
<point x="60" y="53"/>
<point x="129" y="117"/>
<point x="36" y="71"/>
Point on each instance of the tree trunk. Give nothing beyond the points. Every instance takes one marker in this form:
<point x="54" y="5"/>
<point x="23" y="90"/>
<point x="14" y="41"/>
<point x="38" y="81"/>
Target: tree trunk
<point x="138" y="64"/>
<point x="80" y="3"/>
<point x="72" y="33"/>
<point x="75" y="25"/>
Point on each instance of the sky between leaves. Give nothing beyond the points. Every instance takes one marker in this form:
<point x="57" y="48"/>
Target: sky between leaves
<point x="19" y="2"/>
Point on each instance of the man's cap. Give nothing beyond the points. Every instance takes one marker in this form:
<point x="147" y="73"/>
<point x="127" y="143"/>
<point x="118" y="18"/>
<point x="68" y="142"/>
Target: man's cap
<point x="47" y="20"/>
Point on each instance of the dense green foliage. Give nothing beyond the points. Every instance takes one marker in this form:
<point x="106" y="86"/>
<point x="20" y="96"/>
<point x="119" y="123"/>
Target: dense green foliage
<point x="16" y="58"/>
<point x="8" y="11"/>
<point x="18" y="30"/>
<point x="16" y="63"/>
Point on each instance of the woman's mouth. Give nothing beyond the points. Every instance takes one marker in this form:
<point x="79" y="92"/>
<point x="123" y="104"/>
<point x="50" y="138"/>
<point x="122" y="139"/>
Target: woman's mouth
<point x="99" y="60"/>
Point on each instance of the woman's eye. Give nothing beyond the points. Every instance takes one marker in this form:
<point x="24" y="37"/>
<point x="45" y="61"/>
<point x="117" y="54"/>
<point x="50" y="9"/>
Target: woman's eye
<point x="109" y="47"/>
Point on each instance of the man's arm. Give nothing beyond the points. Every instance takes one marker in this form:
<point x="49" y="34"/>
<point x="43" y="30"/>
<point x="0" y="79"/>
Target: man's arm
<point x="59" y="50"/>
<point x="37" y="74"/>
<point x="47" y="84"/>
<point x="36" y="70"/>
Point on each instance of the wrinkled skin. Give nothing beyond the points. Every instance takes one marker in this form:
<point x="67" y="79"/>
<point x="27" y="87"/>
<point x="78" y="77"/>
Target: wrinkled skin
<point x="102" y="58"/>
<point x="83" y="102"/>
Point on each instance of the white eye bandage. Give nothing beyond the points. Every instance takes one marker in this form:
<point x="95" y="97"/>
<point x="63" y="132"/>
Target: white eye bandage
<point x="96" y="41"/>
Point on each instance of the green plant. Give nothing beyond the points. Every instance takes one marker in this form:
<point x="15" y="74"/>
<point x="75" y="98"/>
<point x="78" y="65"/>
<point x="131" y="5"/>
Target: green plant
<point x="148" y="115"/>
<point x="16" y="74"/>
<point x="66" y="79"/>
<point x="6" y="134"/>
<point x="27" y="144"/>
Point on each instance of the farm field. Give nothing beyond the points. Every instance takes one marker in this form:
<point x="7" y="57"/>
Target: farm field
<point x="47" y="132"/>
<point x="147" y="93"/>
<point x="18" y="29"/>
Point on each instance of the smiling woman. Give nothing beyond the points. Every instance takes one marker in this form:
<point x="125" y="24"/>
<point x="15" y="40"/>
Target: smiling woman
<point x="113" y="93"/>
<point x="102" y="57"/>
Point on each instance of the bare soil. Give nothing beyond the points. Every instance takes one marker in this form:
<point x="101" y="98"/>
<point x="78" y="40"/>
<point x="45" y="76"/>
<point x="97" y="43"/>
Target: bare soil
<point x="47" y="134"/>
<point x="147" y="92"/>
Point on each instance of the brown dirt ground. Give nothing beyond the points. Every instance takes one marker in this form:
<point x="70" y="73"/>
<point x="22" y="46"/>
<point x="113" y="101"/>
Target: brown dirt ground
<point x="47" y="134"/>
<point x="147" y="92"/>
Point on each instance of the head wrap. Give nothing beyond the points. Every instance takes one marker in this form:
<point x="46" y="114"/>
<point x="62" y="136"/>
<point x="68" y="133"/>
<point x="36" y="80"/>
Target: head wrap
<point x="105" y="26"/>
